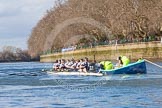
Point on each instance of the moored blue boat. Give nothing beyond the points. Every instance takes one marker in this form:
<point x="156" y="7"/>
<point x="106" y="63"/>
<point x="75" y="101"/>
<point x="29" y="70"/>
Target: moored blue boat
<point x="133" y="68"/>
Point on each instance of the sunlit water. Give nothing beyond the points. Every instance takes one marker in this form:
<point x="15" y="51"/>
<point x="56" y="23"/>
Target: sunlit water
<point x="23" y="85"/>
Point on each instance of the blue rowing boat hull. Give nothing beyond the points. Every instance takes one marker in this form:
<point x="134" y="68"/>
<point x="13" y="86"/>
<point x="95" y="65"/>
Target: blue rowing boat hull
<point x="133" y="68"/>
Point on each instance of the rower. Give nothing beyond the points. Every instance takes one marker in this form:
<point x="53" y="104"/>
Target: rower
<point x="82" y="66"/>
<point x="78" y="64"/>
<point x="87" y="65"/>
<point x="75" y="65"/>
<point x="56" y="65"/>
<point x="68" y="64"/>
<point x="62" y="65"/>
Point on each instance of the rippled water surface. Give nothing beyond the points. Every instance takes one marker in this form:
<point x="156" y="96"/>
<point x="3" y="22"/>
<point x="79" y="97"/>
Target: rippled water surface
<point x="24" y="85"/>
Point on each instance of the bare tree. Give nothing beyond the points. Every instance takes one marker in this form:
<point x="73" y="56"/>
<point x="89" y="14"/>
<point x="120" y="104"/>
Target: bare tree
<point x="125" y="18"/>
<point x="11" y="53"/>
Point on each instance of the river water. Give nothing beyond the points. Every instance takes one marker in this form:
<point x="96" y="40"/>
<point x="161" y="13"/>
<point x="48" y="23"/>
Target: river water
<point x="24" y="85"/>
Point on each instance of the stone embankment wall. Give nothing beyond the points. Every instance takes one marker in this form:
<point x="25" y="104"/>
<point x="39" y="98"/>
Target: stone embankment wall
<point x="147" y="50"/>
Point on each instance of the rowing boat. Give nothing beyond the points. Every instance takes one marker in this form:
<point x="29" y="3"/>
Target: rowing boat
<point x="75" y="73"/>
<point x="133" y="68"/>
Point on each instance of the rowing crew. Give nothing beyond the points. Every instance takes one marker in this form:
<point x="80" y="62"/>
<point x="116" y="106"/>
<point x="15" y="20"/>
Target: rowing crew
<point x="81" y="65"/>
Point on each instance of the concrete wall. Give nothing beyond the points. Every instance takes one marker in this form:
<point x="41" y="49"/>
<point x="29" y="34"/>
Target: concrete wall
<point x="145" y="50"/>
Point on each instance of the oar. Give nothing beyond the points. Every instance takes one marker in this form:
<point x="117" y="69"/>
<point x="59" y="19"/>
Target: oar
<point x="45" y="70"/>
<point x="153" y="63"/>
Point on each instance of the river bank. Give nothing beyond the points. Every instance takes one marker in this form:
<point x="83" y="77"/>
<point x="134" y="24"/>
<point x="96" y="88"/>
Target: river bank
<point x="147" y="50"/>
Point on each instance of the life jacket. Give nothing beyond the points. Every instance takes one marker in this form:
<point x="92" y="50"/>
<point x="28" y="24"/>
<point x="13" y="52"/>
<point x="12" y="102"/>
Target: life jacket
<point x="102" y="63"/>
<point x="125" y="60"/>
<point x="107" y="65"/>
